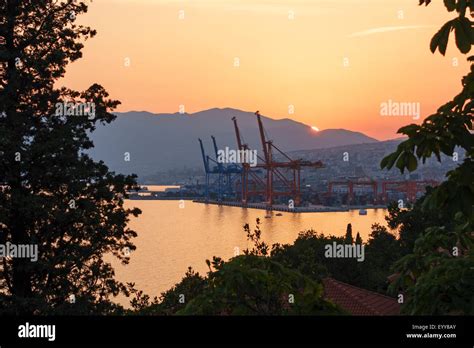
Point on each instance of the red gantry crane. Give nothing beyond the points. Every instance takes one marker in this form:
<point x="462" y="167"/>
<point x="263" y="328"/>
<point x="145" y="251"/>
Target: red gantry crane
<point x="251" y="183"/>
<point x="350" y="188"/>
<point x="409" y="187"/>
<point x="291" y="187"/>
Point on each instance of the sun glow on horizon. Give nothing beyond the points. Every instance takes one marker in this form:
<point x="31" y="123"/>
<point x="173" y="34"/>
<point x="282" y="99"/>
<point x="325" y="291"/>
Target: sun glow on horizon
<point x="163" y="55"/>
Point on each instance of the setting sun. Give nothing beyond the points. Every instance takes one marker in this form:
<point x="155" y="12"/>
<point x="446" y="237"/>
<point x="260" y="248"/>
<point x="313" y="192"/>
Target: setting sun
<point x="281" y="42"/>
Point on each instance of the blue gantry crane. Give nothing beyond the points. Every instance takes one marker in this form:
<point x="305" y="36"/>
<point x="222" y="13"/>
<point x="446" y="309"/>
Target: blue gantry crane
<point x="206" y="169"/>
<point x="224" y="174"/>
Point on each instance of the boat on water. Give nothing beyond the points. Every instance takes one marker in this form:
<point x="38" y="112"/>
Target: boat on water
<point x="362" y="212"/>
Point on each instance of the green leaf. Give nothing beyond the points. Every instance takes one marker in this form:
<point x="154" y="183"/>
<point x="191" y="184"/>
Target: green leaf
<point x="411" y="129"/>
<point x="389" y="160"/>
<point x="412" y="163"/>
<point x="461" y="7"/>
<point x="440" y="39"/>
<point x="463" y="34"/>
<point x="450" y="5"/>
<point x="402" y="162"/>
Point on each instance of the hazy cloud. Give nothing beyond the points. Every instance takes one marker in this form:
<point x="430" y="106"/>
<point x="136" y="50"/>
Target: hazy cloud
<point x="387" y="29"/>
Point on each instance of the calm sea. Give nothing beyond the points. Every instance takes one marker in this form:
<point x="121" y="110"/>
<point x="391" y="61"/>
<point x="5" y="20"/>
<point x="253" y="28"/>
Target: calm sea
<point x="171" y="238"/>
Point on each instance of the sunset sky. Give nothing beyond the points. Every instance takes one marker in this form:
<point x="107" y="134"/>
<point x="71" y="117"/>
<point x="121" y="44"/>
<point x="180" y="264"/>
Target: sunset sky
<point x="289" y="52"/>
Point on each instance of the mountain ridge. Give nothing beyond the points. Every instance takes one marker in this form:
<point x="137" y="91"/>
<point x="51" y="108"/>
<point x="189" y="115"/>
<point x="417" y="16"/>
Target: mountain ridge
<point x="165" y="141"/>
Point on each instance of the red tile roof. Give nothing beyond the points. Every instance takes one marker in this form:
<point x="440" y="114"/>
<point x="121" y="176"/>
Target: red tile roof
<point x="358" y="301"/>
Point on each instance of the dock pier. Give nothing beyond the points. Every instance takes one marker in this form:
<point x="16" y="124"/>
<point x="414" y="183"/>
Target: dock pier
<point x="284" y="208"/>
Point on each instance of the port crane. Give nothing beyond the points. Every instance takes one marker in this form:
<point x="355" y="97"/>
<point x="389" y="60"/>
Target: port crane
<point x="350" y="188"/>
<point x="291" y="186"/>
<point x="224" y="174"/>
<point x="274" y="170"/>
<point x="411" y="188"/>
<point x="251" y="184"/>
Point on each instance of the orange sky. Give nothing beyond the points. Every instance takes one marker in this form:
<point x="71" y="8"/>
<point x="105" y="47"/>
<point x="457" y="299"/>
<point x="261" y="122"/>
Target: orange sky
<point x="291" y="52"/>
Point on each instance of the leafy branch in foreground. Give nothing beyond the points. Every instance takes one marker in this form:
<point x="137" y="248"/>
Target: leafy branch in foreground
<point x="52" y="194"/>
<point x="437" y="277"/>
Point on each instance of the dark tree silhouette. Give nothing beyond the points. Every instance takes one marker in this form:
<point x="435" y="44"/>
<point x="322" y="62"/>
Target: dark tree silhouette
<point x="436" y="276"/>
<point x="52" y="193"/>
<point x="358" y="239"/>
<point x="348" y="239"/>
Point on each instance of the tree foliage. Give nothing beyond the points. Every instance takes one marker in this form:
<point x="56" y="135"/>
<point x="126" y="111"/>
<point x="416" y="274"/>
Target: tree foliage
<point x="172" y="300"/>
<point x="444" y="250"/>
<point x="446" y="131"/>
<point x="257" y="285"/>
<point x="283" y="279"/>
<point x="53" y="194"/>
